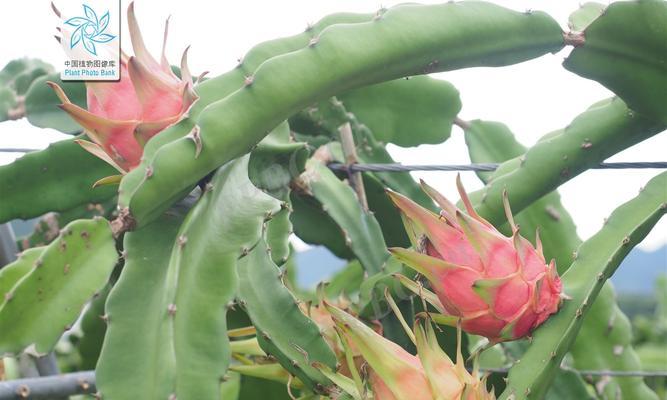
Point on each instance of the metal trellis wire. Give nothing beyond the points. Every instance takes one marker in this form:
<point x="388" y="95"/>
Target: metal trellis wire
<point x="397" y="167"/>
<point x="477" y="167"/>
<point x="17" y="150"/>
<point x="83" y="382"/>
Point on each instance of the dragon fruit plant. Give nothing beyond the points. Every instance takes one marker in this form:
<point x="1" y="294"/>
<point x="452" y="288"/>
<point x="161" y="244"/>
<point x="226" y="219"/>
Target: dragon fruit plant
<point x="169" y="273"/>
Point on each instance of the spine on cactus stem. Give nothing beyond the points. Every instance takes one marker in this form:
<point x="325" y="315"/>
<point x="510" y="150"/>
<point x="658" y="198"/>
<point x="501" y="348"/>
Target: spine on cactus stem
<point x="402" y="41"/>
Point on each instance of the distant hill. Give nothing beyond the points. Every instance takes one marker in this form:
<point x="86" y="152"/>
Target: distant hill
<point x="316" y="264"/>
<point x="637" y="274"/>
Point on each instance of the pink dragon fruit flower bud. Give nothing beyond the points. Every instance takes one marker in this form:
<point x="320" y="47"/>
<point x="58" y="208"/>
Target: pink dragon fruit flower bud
<point x="499" y="287"/>
<point x="395" y="374"/>
<point x="122" y="116"/>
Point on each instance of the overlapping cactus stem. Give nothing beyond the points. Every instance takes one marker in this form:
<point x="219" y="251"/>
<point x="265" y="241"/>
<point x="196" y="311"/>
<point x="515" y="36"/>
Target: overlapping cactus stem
<point x="122" y="116"/>
<point x="395" y="374"/>
<point x="500" y="287"/>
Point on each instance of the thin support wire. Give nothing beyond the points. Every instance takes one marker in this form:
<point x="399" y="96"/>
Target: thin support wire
<point x="17" y="150"/>
<point x="444" y="167"/>
<point x="587" y="372"/>
<point x="83" y="382"/>
<point x="476" y="167"/>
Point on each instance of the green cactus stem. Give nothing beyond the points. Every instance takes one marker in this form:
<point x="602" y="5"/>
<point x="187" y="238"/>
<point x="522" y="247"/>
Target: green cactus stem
<point x="329" y="114"/>
<point x="360" y="228"/>
<point x="46" y="301"/>
<point x="15" y="79"/>
<point x="12" y="273"/>
<point x="406" y="112"/>
<point x="136" y="310"/>
<point x="193" y="287"/>
<point x="63" y="170"/>
<point x="402" y="41"/>
<point x="597" y="259"/>
<point x="41" y="104"/>
<point x="93" y="329"/>
<point x="604" y="129"/>
<point x="625" y="49"/>
<point x="283" y="330"/>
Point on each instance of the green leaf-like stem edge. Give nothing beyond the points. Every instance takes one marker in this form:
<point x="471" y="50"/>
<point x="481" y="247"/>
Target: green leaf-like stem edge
<point x="597" y="259"/>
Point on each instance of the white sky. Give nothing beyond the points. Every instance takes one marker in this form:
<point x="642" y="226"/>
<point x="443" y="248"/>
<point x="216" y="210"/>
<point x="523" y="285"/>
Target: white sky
<point x="532" y="98"/>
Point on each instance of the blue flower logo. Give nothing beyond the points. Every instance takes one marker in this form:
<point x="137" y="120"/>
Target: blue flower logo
<point x="90" y="30"/>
